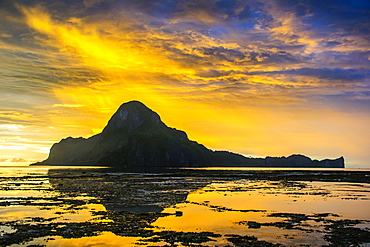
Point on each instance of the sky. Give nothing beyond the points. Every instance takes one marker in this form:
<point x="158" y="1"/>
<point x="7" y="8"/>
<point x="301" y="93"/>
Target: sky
<point x="260" y="78"/>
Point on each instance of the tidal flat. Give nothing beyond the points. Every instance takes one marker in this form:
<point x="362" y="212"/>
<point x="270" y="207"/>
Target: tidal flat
<point x="54" y="206"/>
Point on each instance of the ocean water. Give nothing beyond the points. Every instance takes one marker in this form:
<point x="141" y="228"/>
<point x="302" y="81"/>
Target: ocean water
<point x="37" y="202"/>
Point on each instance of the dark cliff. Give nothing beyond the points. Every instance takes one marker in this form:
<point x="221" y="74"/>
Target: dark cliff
<point x="135" y="136"/>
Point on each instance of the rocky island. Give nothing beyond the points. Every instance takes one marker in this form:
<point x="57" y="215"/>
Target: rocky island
<point x="136" y="137"/>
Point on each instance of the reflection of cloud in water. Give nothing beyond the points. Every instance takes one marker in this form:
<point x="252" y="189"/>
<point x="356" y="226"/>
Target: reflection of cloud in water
<point x="134" y="192"/>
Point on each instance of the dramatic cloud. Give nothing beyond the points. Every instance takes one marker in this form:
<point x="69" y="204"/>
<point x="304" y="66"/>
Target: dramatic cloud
<point x="237" y="75"/>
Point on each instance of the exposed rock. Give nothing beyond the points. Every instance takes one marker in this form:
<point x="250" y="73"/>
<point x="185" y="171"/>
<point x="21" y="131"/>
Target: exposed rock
<point x="253" y="224"/>
<point x="136" y="137"/>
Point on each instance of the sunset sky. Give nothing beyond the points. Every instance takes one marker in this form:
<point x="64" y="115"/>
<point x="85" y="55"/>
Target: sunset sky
<point x="269" y="77"/>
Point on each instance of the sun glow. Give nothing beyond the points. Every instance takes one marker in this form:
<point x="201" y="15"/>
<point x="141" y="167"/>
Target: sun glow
<point x="273" y="84"/>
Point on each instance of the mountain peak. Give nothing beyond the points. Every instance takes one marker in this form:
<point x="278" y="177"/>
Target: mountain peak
<point x="130" y="116"/>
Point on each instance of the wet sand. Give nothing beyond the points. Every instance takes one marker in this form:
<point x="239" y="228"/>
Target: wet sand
<point x="90" y="207"/>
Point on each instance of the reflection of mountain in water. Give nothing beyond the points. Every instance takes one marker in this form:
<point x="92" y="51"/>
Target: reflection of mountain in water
<point x="134" y="192"/>
<point x="134" y="201"/>
<point x="136" y="137"/>
<point x="156" y="189"/>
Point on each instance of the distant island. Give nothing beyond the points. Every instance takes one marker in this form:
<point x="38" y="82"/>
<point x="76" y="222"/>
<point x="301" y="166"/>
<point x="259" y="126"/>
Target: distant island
<point x="136" y="137"/>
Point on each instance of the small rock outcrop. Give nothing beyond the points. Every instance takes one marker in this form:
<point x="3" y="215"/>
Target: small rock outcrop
<point x="136" y="137"/>
<point x="297" y="160"/>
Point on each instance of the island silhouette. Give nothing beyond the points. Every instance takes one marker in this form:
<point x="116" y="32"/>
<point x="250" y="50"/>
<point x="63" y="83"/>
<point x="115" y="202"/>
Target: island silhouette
<point x="135" y="137"/>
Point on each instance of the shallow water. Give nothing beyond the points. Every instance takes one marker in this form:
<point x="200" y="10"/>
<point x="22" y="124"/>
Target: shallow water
<point x="219" y="207"/>
<point x="66" y="208"/>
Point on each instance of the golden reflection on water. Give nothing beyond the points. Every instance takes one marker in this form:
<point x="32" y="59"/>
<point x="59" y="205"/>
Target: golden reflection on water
<point x="25" y="191"/>
<point x="106" y="239"/>
<point x="217" y="208"/>
<point x="61" y="213"/>
<point x="318" y="197"/>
